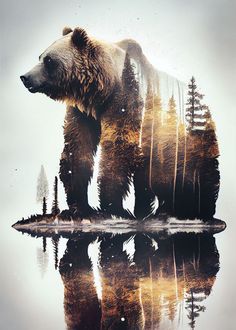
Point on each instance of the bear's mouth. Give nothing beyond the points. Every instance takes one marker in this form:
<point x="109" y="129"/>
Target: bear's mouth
<point x="39" y="89"/>
<point x="33" y="89"/>
<point x="53" y="93"/>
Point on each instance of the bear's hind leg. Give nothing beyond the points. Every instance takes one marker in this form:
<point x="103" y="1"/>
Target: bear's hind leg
<point x="144" y="196"/>
<point x="114" y="178"/>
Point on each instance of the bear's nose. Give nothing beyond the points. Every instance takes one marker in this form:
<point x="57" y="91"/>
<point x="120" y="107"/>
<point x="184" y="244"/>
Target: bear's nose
<point x="24" y="79"/>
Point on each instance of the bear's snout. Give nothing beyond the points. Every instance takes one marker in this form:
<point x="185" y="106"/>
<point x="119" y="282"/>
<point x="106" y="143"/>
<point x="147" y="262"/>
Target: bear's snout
<point x="28" y="83"/>
<point x="34" y="79"/>
<point x="25" y="80"/>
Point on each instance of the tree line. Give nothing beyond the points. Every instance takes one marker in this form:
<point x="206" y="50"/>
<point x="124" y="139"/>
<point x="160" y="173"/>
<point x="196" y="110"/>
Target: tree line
<point x="181" y="155"/>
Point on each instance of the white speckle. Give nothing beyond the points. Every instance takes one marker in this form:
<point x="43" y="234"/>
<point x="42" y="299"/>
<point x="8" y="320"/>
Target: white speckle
<point x="70" y="265"/>
<point x="122" y="319"/>
<point x="154" y="244"/>
<point x="123" y="110"/>
<point x="69" y="172"/>
<point x="71" y="154"/>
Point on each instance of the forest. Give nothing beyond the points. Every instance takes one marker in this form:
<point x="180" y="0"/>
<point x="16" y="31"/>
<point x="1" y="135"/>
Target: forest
<point x="181" y="154"/>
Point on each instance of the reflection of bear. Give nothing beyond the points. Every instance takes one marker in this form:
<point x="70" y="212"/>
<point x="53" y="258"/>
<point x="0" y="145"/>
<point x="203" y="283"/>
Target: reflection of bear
<point x="90" y="76"/>
<point x="81" y="304"/>
<point x="137" y="281"/>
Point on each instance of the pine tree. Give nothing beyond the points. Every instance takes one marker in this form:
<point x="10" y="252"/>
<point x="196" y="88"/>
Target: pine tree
<point x="147" y="124"/>
<point x="55" y="208"/>
<point x="209" y="173"/>
<point x="132" y="102"/>
<point x="129" y="120"/>
<point x="195" y="110"/>
<point x="157" y="113"/>
<point x="55" y="243"/>
<point x="169" y="145"/>
<point x="42" y="186"/>
<point x="172" y="106"/>
<point x="193" y="308"/>
<point x="44" y="244"/>
<point x="210" y="143"/>
<point x="44" y="206"/>
<point x="158" y="170"/>
<point x="202" y="175"/>
<point x="129" y="82"/>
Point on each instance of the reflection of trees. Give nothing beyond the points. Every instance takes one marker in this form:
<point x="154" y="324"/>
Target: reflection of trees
<point x="44" y="244"/>
<point x="193" y="306"/>
<point x="143" y="290"/>
<point x="120" y="304"/>
<point x="55" y="242"/>
<point x="42" y="259"/>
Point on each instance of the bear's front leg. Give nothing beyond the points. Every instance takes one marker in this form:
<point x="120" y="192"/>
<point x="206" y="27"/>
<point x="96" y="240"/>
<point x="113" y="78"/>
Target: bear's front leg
<point x="81" y="137"/>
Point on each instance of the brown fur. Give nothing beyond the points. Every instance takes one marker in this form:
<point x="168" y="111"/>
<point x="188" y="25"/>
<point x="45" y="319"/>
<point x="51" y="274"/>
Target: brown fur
<point x="87" y="74"/>
<point x="81" y="135"/>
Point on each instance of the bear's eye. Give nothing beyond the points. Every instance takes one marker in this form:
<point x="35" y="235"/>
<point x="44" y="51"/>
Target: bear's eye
<point x="49" y="63"/>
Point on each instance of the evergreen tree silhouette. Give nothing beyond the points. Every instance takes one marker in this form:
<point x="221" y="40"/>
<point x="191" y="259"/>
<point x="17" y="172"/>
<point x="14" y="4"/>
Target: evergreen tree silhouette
<point x="166" y="149"/>
<point x="44" y="244"/>
<point x="198" y="164"/>
<point x="44" y="206"/>
<point x="131" y="112"/>
<point x="55" y="242"/>
<point x="129" y="82"/>
<point x="193" y="307"/>
<point x="147" y="124"/>
<point x="55" y="208"/>
<point x="132" y="102"/>
<point x="194" y="111"/>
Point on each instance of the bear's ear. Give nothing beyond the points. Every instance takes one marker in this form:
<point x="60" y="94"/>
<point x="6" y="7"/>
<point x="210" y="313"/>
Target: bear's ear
<point x="66" y="30"/>
<point x="80" y="38"/>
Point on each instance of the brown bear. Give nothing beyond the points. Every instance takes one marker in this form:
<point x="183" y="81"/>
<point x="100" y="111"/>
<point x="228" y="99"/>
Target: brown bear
<point x="96" y="80"/>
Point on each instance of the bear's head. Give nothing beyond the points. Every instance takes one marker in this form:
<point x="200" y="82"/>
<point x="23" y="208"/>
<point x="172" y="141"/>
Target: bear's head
<point x="76" y="69"/>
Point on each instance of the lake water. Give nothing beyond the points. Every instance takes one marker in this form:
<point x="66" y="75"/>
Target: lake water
<point x="128" y="281"/>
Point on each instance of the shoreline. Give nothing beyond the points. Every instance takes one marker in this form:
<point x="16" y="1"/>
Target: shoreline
<point x="120" y="226"/>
